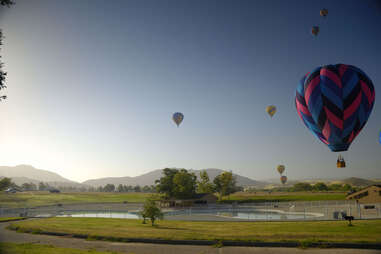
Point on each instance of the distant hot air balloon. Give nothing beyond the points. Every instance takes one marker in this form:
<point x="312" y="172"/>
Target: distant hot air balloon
<point x="178" y="118"/>
<point x="335" y="102"/>
<point x="281" y="169"/>
<point x="323" y="12"/>
<point x="271" y="110"/>
<point x="315" y="30"/>
<point x="283" y="179"/>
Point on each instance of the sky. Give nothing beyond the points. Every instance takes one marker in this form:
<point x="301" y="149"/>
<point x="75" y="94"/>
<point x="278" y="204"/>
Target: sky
<point x="92" y="85"/>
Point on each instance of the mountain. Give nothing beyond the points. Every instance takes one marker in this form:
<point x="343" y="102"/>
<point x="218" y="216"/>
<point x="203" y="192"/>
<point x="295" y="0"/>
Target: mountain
<point x="150" y="178"/>
<point x="360" y="182"/>
<point x="353" y="181"/>
<point x="27" y="174"/>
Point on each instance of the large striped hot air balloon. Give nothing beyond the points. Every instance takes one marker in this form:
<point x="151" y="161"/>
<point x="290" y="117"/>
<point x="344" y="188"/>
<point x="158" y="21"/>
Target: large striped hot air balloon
<point x="283" y="179"/>
<point x="335" y="102"/>
<point x="178" y="118"/>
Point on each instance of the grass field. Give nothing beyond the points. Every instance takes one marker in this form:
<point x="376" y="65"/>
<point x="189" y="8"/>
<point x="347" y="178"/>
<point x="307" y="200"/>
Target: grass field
<point x="110" y="229"/>
<point x="29" y="248"/>
<point x="37" y="198"/>
<point x="243" y="197"/>
<point x="10" y="219"/>
<point x="31" y="199"/>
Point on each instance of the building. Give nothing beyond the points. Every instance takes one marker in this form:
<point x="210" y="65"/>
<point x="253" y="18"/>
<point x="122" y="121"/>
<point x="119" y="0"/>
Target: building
<point x="199" y="199"/>
<point x="370" y="194"/>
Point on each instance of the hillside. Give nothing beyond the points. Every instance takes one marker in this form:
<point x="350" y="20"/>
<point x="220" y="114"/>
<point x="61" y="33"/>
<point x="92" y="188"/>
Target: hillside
<point x="360" y="182"/>
<point x="27" y="174"/>
<point x="150" y="177"/>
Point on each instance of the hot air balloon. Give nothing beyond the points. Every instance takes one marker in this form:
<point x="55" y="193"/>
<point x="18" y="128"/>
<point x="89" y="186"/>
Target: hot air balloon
<point x="335" y="102"/>
<point x="323" y="12"/>
<point x="315" y="30"/>
<point x="271" y="110"/>
<point x="281" y="169"/>
<point x="283" y="179"/>
<point x="178" y="118"/>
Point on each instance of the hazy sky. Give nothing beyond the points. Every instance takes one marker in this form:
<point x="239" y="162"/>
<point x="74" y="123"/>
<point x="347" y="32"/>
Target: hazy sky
<point x="92" y="85"/>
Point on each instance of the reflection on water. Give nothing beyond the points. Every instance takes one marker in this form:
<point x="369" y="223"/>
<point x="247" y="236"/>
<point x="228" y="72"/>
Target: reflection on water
<point x="247" y="215"/>
<point x="259" y="215"/>
<point x="115" y="215"/>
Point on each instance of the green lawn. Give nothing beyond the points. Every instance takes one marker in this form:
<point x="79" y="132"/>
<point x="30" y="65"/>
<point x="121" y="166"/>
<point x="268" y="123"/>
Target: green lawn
<point x="5" y="219"/>
<point x="316" y="231"/>
<point x="31" y="199"/>
<point x="29" y="248"/>
<point x="243" y="197"/>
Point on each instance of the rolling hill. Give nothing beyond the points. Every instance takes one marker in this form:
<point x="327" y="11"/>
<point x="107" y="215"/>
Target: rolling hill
<point x="150" y="177"/>
<point x="27" y="174"/>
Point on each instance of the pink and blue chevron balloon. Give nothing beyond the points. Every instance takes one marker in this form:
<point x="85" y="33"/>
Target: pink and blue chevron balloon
<point x="335" y="102"/>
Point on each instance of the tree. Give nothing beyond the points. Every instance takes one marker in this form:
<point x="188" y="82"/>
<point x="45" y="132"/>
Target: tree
<point x="5" y="183"/>
<point x="165" y="184"/>
<point x="137" y="188"/>
<point x="42" y="186"/>
<point x="320" y="187"/>
<point x="29" y="186"/>
<point x="7" y="3"/>
<point x="177" y="184"/>
<point x="204" y="185"/>
<point x="335" y="187"/>
<point x="120" y="188"/>
<point x="302" y="187"/>
<point x="184" y="184"/>
<point x="109" y="188"/>
<point x="225" y="184"/>
<point x="146" y="188"/>
<point x="151" y="211"/>
<point x="347" y="187"/>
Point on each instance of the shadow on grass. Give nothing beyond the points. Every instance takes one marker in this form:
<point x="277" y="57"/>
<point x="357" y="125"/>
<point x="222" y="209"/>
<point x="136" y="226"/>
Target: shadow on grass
<point x="165" y="227"/>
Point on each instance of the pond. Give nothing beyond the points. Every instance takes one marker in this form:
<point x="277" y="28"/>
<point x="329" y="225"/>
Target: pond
<point x="228" y="214"/>
<point x="115" y="215"/>
<point x="260" y="215"/>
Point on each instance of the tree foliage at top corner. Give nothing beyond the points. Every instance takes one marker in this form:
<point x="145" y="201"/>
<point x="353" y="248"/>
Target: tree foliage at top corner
<point x="6" y="2"/>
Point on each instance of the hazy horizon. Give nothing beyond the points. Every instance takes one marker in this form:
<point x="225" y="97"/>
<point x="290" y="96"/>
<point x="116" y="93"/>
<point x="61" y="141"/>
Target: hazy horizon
<point x="92" y="86"/>
<point x="268" y="180"/>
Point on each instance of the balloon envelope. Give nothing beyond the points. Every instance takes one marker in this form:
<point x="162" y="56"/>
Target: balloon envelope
<point x="315" y="30"/>
<point x="335" y="102"/>
<point x="283" y="179"/>
<point x="281" y="169"/>
<point x="178" y="118"/>
<point x="271" y="110"/>
<point x="323" y="12"/>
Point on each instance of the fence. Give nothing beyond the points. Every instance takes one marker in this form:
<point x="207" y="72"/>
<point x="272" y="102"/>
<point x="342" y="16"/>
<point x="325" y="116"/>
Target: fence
<point x="268" y="211"/>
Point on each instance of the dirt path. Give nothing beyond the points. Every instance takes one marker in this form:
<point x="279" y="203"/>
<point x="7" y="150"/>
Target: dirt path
<point x="140" y="248"/>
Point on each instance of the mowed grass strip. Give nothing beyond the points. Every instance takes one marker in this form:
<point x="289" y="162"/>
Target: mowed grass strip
<point x="5" y="219"/>
<point x="243" y="197"/>
<point x="32" y="199"/>
<point x="316" y="231"/>
<point x="14" y="248"/>
<point x="37" y="198"/>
